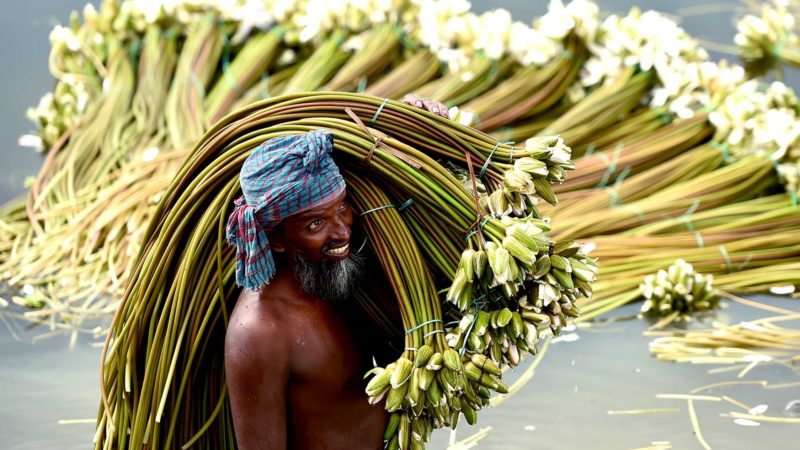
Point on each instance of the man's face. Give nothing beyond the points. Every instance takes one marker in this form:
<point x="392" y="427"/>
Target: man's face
<point x="317" y="235"/>
<point x="318" y="243"/>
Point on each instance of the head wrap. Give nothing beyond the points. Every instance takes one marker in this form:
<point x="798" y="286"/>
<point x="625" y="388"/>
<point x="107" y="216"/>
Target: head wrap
<point x="283" y="176"/>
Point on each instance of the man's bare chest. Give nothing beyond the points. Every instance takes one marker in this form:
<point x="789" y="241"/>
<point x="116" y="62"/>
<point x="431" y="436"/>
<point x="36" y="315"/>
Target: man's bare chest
<point x="327" y="353"/>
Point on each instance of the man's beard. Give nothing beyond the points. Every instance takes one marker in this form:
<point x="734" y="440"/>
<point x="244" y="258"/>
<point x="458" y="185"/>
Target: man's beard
<point x="331" y="280"/>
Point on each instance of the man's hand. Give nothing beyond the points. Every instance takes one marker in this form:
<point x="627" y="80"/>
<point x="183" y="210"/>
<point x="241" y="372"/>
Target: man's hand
<point x="427" y="104"/>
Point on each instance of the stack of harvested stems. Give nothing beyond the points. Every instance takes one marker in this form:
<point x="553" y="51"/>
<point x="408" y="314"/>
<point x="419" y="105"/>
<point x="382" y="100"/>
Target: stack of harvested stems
<point x="657" y="140"/>
<point x="773" y="339"/>
<point x="771" y="39"/>
<point x="509" y="284"/>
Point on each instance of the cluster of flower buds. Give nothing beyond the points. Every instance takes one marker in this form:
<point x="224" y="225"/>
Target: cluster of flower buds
<point x="509" y="293"/>
<point x="679" y="289"/>
<point x="789" y="173"/>
<point x="530" y="177"/>
<point x="545" y="301"/>
<point x="578" y="16"/>
<point x="761" y="39"/>
<point x="526" y="272"/>
<point x="57" y="112"/>
<point x="646" y="41"/>
<point x="501" y="335"/>
<point x="432" y="390"/>
<point x="454" y="34"/>
<point x="696" y="86"/>
<point x="757" y="118"/>
<point x="540" y="43"/>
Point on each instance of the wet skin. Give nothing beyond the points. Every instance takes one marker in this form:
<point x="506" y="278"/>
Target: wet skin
<point x="294" y="362"/>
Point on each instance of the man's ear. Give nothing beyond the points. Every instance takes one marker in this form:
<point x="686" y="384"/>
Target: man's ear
<point x="277" y="241"/>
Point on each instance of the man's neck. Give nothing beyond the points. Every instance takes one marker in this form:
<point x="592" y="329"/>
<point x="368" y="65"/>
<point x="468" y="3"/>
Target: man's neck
<point x="285" y="288"/>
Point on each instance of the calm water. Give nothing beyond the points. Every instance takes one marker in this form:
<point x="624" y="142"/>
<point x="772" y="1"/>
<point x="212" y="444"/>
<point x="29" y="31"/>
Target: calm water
<point x="564" y="406"/>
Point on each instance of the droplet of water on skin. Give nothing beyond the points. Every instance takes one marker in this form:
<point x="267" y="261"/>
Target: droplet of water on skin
<point x="792" y="408"/>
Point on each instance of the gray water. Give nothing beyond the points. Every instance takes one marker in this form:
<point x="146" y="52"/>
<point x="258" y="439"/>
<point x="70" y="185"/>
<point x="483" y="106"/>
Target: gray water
<point x="564" y="406"/>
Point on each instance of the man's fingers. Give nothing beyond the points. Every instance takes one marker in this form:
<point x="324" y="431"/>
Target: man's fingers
<point x="443" y="110"/>
<point x="427" y="104"/>
<point x="410" y="99"/>
<point x="413" y="100"/>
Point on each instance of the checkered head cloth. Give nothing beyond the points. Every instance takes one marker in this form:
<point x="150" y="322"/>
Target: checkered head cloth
<point x="283" y="176"/>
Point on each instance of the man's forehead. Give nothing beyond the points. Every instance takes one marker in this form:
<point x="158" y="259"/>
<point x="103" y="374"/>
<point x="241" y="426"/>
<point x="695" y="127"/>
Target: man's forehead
<point x="323" y="206"/>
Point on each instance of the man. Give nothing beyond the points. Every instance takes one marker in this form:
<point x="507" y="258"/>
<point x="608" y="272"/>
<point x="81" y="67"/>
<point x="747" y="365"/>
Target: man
<point x="295" y="354"/>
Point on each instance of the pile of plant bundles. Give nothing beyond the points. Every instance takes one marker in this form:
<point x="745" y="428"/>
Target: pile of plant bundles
<point x="658" y="132"/>
<point x="716" y="187"/>
<point x="472" y="291"/>
<point x="771" y="39"/>
<point x="140" y="81"/>
<point x="728" y="206"/>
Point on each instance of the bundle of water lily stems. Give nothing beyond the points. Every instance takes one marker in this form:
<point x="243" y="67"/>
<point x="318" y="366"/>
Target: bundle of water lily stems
<point x="511" y="281"/>
<point x="747" y="343"/>
<point x="770" y="39"/>
<point x="659" y="132"/>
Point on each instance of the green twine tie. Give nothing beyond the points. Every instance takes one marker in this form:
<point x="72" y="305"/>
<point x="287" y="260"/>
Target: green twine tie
<point x="378" y="112"/>
<point x="611" y="166"/>
<point x="364" y="213"/>
<point x="409" y="331"/>
<point x="723" y="148"/>
<point x="486" y="163"/>
<point x="726" y="257"/>
<point x="480" y="227"/>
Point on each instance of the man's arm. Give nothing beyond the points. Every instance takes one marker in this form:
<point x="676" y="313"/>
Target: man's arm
<point x="257" y="366"/>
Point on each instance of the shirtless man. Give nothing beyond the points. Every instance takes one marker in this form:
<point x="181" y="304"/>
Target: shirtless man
<point x="294" y="359"/>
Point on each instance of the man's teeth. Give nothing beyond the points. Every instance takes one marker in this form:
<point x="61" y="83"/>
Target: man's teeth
<point x="340" y="250"/>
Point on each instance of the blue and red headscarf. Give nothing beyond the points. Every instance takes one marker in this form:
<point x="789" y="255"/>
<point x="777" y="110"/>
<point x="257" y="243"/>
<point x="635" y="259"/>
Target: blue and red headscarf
<point x="283" y="176"/>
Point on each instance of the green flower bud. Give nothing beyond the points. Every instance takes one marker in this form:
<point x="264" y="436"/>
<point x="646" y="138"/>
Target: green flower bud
<point x="531" y="166"/>
<point x="479" y="263"/>
<point x="519" y="250"/>
<point x="466" y="263"/>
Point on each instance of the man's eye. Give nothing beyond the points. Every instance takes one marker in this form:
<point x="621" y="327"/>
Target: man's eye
<point x="316" y="224"/>
<point x="343" y="209"/>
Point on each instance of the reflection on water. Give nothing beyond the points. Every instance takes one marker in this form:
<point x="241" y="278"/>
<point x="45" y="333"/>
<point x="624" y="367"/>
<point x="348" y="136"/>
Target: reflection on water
<point x="792" y="409"/>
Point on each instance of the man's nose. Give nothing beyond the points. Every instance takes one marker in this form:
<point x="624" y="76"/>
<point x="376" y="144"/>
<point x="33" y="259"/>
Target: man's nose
<point x="341" y="229"/>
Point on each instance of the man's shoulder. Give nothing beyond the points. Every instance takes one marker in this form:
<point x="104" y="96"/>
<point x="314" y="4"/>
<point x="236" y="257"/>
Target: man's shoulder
<point x="257" y="328"/>
<point x="254" y="306"/>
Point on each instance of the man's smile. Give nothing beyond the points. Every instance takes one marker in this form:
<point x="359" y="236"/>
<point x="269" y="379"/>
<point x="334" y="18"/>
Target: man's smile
<point x="339" y="251"/>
